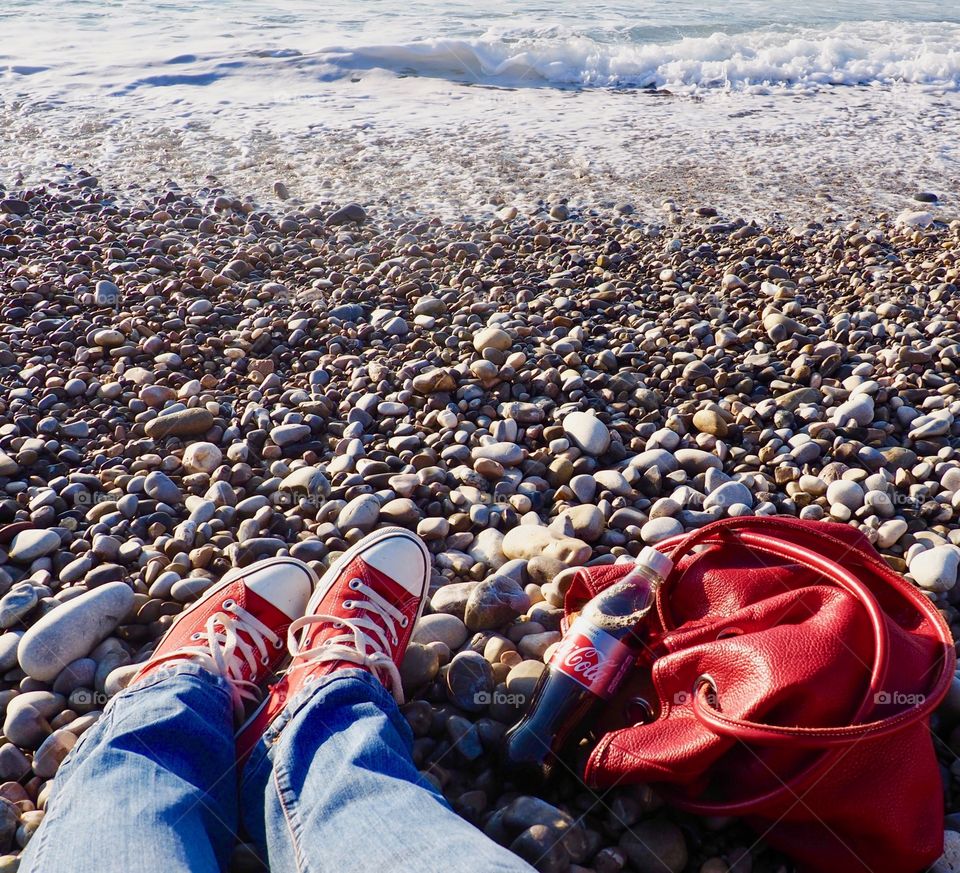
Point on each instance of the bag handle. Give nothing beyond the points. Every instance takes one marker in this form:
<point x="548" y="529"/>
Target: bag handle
<point x="772" y="734"/>
<point x="837" y="574"/>
<point x="776" y="734"/>
<point x="786" y="526"/>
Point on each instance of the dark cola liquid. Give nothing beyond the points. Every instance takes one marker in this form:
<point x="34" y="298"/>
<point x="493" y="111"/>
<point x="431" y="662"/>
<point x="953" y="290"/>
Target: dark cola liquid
<point x="587" y="669"/>
<point x="557" y="714"/>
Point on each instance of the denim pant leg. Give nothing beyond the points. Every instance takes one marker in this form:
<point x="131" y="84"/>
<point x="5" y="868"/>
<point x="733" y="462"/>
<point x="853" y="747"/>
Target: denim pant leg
<point x="332" y="787"/>
<point x="152" y="786"/>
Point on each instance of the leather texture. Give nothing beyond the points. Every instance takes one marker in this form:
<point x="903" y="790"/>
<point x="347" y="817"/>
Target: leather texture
<point x="791" y="674"/>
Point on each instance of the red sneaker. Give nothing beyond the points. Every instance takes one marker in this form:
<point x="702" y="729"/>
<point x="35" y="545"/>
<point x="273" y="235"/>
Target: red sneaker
<point x="360" y="615"/>
<point x="237" y="629"/>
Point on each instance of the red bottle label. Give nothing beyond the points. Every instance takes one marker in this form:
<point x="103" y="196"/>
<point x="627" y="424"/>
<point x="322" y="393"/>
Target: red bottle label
<point x="593" y="658"/>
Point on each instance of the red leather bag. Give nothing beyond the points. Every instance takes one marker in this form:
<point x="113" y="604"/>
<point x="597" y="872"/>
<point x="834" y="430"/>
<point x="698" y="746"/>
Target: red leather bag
<point x="791" y="675"/>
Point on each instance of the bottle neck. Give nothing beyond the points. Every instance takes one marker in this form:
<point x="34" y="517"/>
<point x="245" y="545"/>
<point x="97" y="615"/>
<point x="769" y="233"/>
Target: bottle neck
<point x="643" y="573"/>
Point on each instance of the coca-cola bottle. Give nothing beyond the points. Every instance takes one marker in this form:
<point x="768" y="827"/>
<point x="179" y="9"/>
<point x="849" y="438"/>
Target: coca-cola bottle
<point x="587" y="668"/>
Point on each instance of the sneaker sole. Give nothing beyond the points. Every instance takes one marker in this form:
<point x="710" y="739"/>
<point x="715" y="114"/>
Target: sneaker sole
<point x="337" y="567"/>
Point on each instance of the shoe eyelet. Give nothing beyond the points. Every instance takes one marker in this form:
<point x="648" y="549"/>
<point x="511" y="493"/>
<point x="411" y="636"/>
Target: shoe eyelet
<point x="337" y="625"/>
<point x="348" y="604"/>
<point x="265" y="660"/>
<point x="353" y="584"/>
<point x="278" y="645"/>
<point x="195" y="636"/>
<point x="229" y="604"/>
<point x="395" y="640"/>
<point x="404" y="621"/>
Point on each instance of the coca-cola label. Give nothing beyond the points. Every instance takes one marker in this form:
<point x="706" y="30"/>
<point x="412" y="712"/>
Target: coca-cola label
<point x="593" y="658"/>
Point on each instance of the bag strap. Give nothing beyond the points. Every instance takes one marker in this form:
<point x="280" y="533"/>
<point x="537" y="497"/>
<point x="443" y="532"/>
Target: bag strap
<point x="763" y="734"/>
<point x="815" y="736"/>
<point x="830" y="570"/>
<point x="787" y="528"/>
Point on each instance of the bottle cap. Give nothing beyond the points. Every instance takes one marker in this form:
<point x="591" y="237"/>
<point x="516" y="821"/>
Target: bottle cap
<point x="656" y="561"/>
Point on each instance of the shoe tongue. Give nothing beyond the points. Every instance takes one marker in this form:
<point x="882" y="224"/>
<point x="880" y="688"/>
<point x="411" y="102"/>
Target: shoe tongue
<point x="388" y="589"/>
<point x="379" y="580"/>
<point x="273" y="617"/>
<point x="358" y="569"/>
<point x="263" y="611"/>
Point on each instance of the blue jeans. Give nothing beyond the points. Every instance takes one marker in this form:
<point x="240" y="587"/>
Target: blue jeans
<point x="331" y="787"/>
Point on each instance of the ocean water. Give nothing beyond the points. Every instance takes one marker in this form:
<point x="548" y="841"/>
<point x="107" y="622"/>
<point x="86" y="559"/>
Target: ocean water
<point x="762" y="103"/>
<point x="122" y="46"/>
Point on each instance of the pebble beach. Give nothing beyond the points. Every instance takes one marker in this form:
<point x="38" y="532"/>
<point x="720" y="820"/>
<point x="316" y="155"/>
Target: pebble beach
<point x="190" y="382"/>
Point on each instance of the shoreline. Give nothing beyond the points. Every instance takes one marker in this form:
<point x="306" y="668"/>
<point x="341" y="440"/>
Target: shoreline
<point x="431" y="148"/>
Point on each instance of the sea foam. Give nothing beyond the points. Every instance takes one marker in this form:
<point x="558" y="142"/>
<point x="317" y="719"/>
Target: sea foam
<point x="848" y="54"/>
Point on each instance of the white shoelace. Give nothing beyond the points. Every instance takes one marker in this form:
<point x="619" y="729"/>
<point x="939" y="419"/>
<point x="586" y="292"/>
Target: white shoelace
<point x="223" y="651"/>
<point x="357" y="646"/>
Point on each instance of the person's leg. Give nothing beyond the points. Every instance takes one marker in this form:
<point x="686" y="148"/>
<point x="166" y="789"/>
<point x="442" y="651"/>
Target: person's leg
<point x="152" y="786"/>
<point x="332" y="787"/>
<point x="330" y="784"/>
